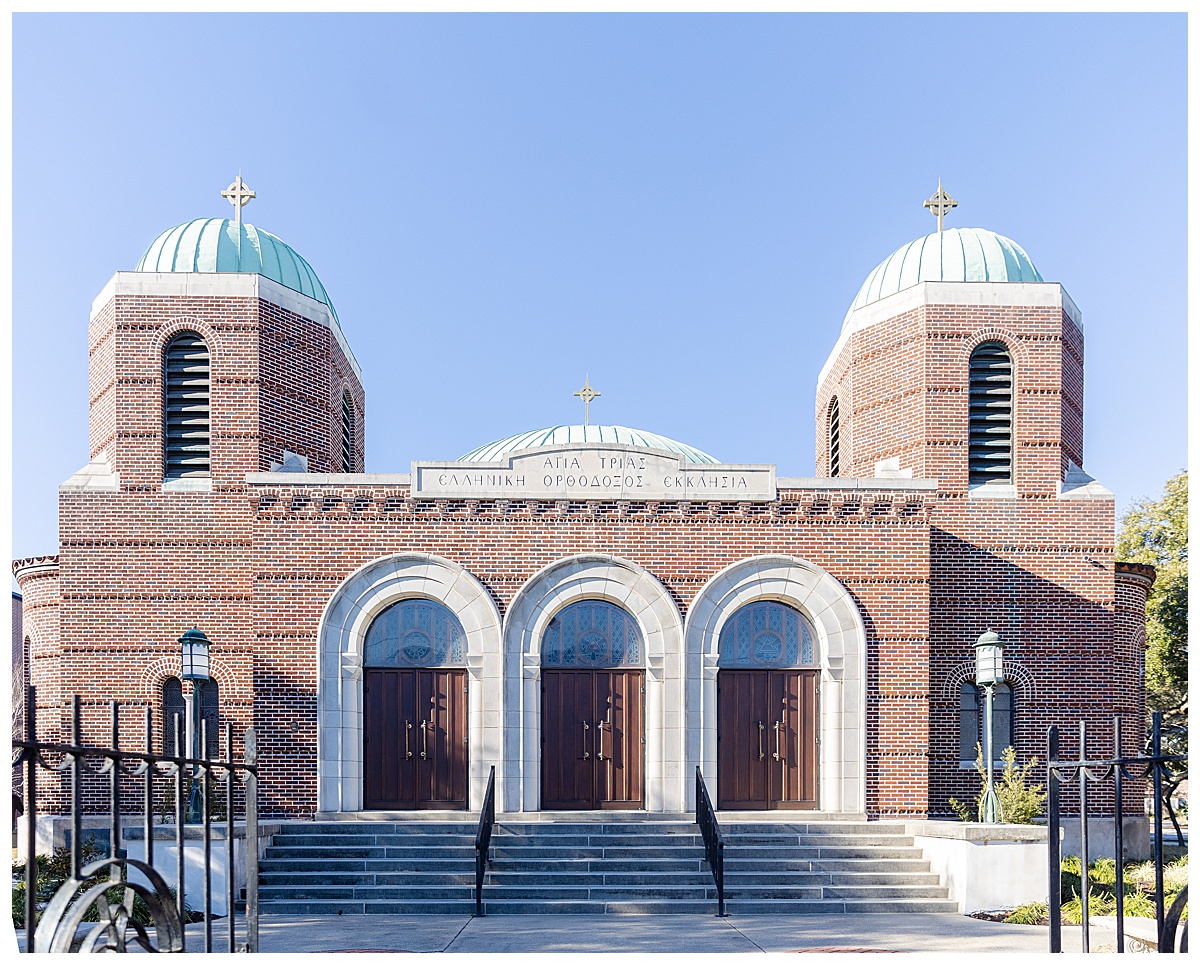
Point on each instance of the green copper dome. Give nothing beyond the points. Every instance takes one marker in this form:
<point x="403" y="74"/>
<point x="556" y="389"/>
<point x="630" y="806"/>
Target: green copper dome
<point x="563" y="435"/>
<point x="956" y="254"/>
<point x="218" y="244"/>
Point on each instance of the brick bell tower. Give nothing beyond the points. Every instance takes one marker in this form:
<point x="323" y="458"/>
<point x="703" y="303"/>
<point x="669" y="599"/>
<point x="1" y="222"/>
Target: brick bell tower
<point x="217" y="355"/>
<point x="958" y="362"/>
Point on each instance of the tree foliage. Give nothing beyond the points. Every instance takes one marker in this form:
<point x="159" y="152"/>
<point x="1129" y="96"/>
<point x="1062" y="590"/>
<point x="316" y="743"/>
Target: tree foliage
<point x="1155" y="531"/>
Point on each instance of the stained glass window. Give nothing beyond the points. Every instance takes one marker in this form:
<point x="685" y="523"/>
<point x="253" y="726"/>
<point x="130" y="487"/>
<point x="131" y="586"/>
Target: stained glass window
<point x="415" y="633"/>
<point x="767" y="634"/>
<point x="592" y="633"/>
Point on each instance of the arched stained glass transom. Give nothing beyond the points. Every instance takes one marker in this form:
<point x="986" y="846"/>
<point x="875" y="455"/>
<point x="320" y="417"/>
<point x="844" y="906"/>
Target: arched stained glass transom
<point x="767" y="634"/>
<point x="415" y="633"/>
<point x="592" y="633"/>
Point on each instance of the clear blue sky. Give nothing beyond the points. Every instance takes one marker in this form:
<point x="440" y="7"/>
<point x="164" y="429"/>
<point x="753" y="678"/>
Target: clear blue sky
<point x="681" y="207"/>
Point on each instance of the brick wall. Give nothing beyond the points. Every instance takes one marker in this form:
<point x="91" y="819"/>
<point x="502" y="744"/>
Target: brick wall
<point x="276" y="383"/>
<point x="254" y="566"/>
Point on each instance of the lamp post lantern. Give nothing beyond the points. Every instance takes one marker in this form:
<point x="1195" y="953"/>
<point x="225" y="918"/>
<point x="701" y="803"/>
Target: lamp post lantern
<point x="989" y="671"/>
<point x="194" y="663"/>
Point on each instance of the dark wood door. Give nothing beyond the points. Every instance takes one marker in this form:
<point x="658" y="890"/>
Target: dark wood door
<point x="766" y="739"/>
<point x="414" y="739"/>
<point x="592" y="739"/>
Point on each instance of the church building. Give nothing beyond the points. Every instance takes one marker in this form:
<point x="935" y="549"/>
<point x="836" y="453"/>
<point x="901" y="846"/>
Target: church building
<point x="595" y="611"/>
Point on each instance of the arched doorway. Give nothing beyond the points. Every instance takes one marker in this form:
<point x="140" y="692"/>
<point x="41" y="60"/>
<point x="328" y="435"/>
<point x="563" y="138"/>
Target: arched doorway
<point x="767" y="709"/>
<point x="415" y="709"/>
<point x="593" y="716"/>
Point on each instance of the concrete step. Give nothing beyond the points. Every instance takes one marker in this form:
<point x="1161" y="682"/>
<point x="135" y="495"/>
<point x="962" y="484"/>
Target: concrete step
<point x="376" y="840"/>
<point x="591" y="867"/>
<point x="835" y="907"/>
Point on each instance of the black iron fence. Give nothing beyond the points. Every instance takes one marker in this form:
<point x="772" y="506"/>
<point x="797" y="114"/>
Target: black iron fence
<point x="99" y="907"/>
<point x="714" y="843"/>
<point x="1164" y="772"/>
<point x="483" y="838"/>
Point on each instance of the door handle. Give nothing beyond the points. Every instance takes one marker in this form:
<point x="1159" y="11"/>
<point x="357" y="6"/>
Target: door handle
<point x="600" y="740"/>
<point x="424" y="741"/>
<point x="586" y="755"/>
<point x="761" y="728"/>
<point x="407" y="752"/>
<point x="776" y="754"/>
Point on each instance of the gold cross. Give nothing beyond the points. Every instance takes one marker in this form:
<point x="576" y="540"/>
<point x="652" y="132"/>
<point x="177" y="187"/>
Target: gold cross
<point x="940" y="204"/>
<point x="238" y="195"/>
<point x="587" y="393"/>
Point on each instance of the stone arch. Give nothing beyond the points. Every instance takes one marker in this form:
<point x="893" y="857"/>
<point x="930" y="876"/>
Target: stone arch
<point x="632" y="587"/>
<point x="343" y="627"/>
<point x="841" y="653"/>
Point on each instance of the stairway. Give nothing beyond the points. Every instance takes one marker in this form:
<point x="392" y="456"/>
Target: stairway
<point x="596" y="867"/>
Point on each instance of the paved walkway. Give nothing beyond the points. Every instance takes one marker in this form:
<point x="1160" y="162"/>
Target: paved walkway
<point x="650" y="933"/>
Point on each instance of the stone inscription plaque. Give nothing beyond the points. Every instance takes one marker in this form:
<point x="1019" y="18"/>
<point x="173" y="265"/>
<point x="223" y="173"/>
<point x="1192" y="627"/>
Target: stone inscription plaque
<point x="594" y="472"/>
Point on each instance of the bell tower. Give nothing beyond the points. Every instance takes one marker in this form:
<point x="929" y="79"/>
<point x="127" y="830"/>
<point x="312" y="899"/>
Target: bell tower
<point x="218" y="355"/>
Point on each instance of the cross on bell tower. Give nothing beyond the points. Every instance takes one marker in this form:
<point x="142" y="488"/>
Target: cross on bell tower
<point x="238" y="195"/>
<point x="940" y="204"/>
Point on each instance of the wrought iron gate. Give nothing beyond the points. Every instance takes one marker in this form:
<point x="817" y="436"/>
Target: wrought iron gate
<point x="91" y="886"/>
<point x="1164" y="772"/>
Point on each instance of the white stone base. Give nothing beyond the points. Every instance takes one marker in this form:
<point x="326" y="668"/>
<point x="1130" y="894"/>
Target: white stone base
<point x="1135" y="833"/>
<point x="53" y="832"/>
<point x="986" y="866"/>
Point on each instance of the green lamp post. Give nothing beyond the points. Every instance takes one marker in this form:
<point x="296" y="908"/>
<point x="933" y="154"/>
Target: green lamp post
<point x="194" y="662"/>
<point x="989" y="671"/>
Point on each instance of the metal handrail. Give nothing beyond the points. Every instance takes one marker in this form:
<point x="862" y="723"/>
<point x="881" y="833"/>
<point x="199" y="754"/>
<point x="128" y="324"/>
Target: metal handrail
<point x="483" y="838"/>
<point x="714" y="843"/>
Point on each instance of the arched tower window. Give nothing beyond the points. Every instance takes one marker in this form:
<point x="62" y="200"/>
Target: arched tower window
<point x="835" y="438"/>
<point x="989" y="444"/>
<point x="186" y="412"/>
<point x="173" y="704"/>
<point x="347" y="432"/>
<point x="971" y="720"/>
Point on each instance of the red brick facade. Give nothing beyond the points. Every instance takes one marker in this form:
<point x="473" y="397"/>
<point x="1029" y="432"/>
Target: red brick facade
<point x="256" y="564"/>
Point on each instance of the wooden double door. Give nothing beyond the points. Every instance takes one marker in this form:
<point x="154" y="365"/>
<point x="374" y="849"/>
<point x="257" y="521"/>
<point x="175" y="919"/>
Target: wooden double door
<point x="766" y="739"/>
<point x="414" y="739"/>
<point x="592" y="739"/>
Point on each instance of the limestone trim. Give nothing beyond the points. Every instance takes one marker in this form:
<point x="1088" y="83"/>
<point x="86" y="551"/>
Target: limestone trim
<point x="343" y="627"/>
<point x="990" y="294"/>
<point x="223" y="285"/>
<point x="841" y="654"/>
<point x="639" y="593"/>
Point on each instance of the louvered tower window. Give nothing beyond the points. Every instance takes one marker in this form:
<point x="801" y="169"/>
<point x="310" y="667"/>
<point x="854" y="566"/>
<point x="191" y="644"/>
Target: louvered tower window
<point x="186" y="380"/>
<point x="990" y="442"/>
<point x="347" y="433"/>
<point x="835" y="439"/>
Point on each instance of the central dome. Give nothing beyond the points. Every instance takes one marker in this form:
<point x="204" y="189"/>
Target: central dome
<point x="564" y="435"/>
<point x="219" y="245"/>
<point x="956" y="254"/>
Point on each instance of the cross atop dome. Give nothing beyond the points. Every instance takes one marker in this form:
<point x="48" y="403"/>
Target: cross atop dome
<point x="239" y="195"/>
<point x="940" y="205"/>
<point x="587" y="393"/>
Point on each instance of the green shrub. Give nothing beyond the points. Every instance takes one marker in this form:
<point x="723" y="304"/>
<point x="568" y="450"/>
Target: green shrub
<point x="53" y="870"/>
<point x="1033" y="913"/>
<point x="1019" y="802"/>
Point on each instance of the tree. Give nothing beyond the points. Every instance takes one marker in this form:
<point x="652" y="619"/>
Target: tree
<point x="1156" y="532"/>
